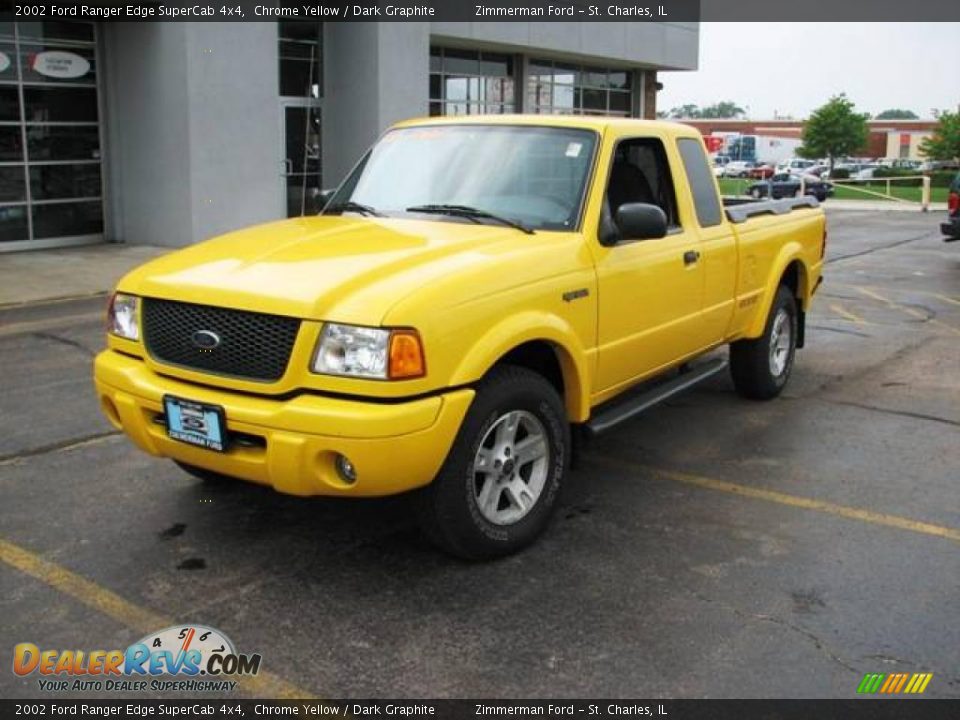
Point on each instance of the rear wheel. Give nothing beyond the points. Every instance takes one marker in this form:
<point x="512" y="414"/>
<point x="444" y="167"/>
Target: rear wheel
<point x="498" y="486"/>
<point x="755" y="193"/>
<point x="760" y="368"/>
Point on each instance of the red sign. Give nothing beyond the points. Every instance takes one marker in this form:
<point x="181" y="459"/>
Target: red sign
<point x="713" y="142"/>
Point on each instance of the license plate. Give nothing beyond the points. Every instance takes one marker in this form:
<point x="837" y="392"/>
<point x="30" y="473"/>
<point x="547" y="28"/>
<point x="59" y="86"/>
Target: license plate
<point x="195" y="423"/>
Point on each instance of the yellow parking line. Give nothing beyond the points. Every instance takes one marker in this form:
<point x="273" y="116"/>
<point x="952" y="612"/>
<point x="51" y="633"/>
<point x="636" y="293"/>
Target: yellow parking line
<point x="823" y="506"/>
<point x="905" y="309"/>
<point x="908" y="291"/>
<point x="137" y="618"/>
<point x="847" y="315"/>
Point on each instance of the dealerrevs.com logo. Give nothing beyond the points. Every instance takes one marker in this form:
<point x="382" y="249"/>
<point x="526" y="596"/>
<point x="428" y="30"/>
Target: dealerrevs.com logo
<point x="181" y="657"/>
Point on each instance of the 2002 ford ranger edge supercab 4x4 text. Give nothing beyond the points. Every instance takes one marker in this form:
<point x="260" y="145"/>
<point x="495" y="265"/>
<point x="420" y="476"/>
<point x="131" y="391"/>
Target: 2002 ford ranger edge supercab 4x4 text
<point x="475" y="291"/>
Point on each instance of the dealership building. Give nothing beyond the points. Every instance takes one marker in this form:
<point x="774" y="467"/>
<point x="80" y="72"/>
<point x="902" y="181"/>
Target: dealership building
<point x="168" y="133"/>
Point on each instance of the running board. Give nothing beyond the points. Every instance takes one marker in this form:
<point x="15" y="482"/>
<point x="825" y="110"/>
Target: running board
<point x="623" y="410"/>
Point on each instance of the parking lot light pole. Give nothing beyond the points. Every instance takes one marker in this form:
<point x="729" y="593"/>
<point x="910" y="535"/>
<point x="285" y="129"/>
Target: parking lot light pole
<point x="925" y="194"/>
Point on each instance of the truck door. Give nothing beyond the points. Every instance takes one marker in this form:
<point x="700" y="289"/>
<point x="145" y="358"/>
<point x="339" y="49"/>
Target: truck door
<point x="718" y="242"/>
<point x="650" y="291"/>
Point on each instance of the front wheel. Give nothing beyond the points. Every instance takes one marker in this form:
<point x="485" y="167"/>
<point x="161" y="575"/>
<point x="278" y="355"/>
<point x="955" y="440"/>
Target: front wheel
<point x="499" y="484"/>
<point x="760" y="368"/>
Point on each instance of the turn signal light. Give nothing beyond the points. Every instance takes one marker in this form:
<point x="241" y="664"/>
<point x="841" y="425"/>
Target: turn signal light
<point x="406" y="355"/>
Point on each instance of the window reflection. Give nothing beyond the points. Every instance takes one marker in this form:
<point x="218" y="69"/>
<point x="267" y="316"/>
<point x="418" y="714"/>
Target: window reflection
<point x="470" y="82"/>
<point x="559" y="88"/>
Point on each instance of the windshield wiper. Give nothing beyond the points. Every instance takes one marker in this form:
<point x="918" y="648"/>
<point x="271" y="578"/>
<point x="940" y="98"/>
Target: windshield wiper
<point x="472" y="213"/>
<point x="351" y="206"/>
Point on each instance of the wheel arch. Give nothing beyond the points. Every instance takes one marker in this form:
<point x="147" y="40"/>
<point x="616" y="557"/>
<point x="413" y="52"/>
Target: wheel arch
<point x="790" y="270"/>
<point x="544" y="344"/>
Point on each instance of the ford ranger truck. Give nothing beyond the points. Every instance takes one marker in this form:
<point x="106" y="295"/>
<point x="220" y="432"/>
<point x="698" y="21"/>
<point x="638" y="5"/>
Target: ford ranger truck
<point x="477" y="291"/>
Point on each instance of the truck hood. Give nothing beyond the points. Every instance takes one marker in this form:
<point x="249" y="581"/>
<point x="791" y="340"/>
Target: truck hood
<point x="325" y="267"/>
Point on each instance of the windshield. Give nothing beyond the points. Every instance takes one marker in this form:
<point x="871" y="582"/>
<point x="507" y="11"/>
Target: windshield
<point x="531" y="175"/>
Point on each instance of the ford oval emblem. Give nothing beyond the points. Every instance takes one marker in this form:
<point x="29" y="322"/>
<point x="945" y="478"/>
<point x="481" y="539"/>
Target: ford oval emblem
<point x="205" y="339"/>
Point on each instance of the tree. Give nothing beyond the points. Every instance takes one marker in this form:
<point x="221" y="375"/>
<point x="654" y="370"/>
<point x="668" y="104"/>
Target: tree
<point x="897" y="114"/>
<point x="834" y="130"/>
<point x="944" y="144"/>
<point x="685" y="111"/>
<point x="723" y="110"/>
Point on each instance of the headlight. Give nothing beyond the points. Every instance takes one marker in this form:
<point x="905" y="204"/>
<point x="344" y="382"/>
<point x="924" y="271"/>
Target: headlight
<point x="366" y="352"/>
<point x="122" y="316"/>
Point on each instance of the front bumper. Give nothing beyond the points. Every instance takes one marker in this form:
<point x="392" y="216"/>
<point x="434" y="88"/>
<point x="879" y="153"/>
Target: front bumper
<point x="290" y="444"/>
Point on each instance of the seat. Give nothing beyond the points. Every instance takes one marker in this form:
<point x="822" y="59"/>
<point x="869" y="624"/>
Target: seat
<point x="628" y="184"/>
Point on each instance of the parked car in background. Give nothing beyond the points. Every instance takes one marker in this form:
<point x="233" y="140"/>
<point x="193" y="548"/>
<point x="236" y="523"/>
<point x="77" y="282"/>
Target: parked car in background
<point x="738" y="168"/>
<point x="782" y="185"/>
<point x="719" y="163"/>
<point x="931" y="165"/>
<point x="865" y="172"/>
<point x="794" y="165"/>
<point x="951" y="228"/>
<point x="820" y="172"/>
<point x="762" y="171"/>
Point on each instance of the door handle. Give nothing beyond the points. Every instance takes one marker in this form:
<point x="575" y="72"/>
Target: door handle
<point x="690" y="257"/>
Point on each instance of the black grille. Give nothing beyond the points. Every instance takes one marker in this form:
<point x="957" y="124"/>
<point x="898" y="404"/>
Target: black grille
<point x="252" y="345"/>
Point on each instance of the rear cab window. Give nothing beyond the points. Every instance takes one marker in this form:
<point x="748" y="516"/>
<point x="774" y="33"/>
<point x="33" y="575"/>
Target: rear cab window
<point x="706" y="200"/>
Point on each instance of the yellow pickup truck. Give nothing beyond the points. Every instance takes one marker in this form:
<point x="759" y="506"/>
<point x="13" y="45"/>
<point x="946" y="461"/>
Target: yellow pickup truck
<point x="475" y="293"/>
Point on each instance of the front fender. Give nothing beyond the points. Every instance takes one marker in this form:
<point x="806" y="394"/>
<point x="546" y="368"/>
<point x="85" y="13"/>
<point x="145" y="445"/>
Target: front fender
<point x="790" y="252"/>
<point x="527" y="327"/>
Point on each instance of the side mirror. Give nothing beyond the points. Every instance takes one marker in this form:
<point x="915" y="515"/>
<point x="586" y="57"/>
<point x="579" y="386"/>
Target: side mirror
<point x="640" y="221"/>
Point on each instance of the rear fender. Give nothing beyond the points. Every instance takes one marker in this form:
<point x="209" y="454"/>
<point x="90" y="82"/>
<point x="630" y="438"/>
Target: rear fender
<point x="790" y="252"/>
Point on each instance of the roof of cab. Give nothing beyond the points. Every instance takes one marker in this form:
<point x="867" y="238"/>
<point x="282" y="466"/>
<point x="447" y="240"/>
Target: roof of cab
<point x="598" y="123"/>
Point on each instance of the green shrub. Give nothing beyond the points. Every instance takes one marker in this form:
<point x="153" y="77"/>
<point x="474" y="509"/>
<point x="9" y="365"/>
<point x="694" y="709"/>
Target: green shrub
<point x="840" y="174"/>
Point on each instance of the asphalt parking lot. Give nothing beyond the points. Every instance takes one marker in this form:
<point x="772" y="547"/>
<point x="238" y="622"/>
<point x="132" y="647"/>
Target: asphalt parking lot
<point x="714" y="547"/>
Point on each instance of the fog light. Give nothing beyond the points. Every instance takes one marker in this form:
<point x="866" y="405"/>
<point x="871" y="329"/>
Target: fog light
<point x="346" y="470"/>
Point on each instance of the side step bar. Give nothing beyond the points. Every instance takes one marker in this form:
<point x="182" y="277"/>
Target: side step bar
<point x="622" y="410"/>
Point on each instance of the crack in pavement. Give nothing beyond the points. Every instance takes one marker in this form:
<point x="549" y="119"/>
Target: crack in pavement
<point x="57" y="446"/>
<point x="844" y="331"/>
<point x="65" y="341"/>
<point x="890" y="411"/>
<point x="772" y="619"/>
<point x="869" y="251"/>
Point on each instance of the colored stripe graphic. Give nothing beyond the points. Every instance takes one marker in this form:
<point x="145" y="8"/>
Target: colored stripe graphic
<point x="894" y="683"/>
<point x="870" y="683"/>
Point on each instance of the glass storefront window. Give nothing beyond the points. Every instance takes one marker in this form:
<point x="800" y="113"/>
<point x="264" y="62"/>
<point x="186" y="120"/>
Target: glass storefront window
<point x="62" y="219"/>
<point x="12" y="187"/>
<point x="56" y="30"/>
<point x="470" y="82"/>
<point x="49" y="182"/>
<point x="63" y="142"/>
<point x="559" y="88"/>
<point x="9" y="103"/>
<point x="11" y="144"/>
<point x="301" y="59"/>
<point x="13" y="222"/>
<point x="59" y="104"/>
<point x="50" y="156"/>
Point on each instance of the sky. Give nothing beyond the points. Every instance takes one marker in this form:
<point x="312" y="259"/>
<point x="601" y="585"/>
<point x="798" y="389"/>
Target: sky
<point x="793" y="68"/>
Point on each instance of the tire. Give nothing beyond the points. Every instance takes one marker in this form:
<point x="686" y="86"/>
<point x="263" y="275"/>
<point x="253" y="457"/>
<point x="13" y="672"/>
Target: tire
<point x="208" y="476"/>
<point x="479" y="514"/>
<point x="755" y="193"/>
<point x="759" y="371"/>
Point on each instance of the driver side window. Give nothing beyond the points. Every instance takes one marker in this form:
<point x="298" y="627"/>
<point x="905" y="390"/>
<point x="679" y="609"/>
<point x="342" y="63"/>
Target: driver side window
<point x="640" y="173"/>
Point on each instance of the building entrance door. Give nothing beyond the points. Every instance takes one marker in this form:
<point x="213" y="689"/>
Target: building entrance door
<point x="301" y="161"/>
